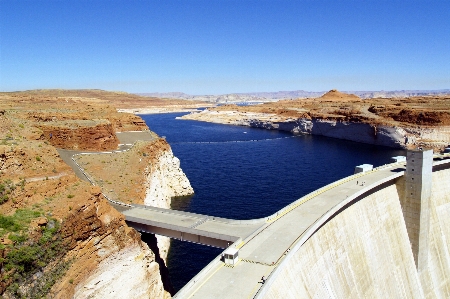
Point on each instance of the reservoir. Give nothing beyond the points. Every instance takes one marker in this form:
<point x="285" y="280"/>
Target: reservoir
<point x="245" y="173"/>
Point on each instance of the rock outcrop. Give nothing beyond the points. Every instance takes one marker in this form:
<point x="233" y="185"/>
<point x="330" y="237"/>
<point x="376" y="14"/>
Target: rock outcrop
<point x="391" y="136"/>
<point x="165" y="179"/>
<point x="109" y="258"/>
<point x="93" y="136"/>
<point x="153" y="173"/>
<point x="398" y="122"/>
<point x="365" y="132"/>
<point x="335" y="95"/>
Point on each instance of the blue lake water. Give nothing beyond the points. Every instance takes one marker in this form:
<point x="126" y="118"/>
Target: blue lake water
<point x="245" y="173"/>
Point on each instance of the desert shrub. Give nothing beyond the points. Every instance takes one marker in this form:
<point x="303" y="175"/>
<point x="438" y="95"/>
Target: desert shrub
<point x="18" y="238"/>
<point x="6" y="188"/>
<point x="9" y="224"/>
<point x="27" y="258"/>
<point x="19" y="221"/>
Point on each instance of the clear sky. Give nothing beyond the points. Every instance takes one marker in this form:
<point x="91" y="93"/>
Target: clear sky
<point x="216" y="47"/>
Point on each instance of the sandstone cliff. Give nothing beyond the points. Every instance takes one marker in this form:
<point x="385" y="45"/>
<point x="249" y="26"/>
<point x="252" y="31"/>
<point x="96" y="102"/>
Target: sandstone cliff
<point x="59" y="237"/>
<point x="152" y="168"/>
<point x="109" y="258"/>
<point x="96" y="135"/>
<point x="399" y="123"/>
<point x="385" y="135"/>
<point x="150" y="175"/>
<point x="165" y="180"/>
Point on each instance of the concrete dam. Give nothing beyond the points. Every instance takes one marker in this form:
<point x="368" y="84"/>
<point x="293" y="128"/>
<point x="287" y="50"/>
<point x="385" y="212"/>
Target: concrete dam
<point x="382" y="233"/>
<point x="393" y="243"/>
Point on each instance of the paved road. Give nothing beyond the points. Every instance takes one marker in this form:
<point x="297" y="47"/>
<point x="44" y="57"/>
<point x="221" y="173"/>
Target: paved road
<point x="126" y="140"/>
<point x="131" y="137"/>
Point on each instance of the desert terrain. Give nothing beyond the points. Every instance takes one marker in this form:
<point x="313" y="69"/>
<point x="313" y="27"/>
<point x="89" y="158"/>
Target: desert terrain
<point x="57" y="232"/>
<point x="420" y="121"/>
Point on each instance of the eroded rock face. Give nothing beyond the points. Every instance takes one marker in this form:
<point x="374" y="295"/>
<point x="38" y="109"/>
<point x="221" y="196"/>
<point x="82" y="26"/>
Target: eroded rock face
<point x="165" y="179"/>
<point x="110" y="260"/>
<point x="105" y="258"/>
<point x="155" y="177"/>
<point x="365" y="132"/>
<point x="98" y="137"/>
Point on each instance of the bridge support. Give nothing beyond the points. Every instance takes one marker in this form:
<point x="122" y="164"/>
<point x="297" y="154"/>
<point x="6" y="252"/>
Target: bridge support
<point x="416" y="200"/>
<point x="209" y="239"/>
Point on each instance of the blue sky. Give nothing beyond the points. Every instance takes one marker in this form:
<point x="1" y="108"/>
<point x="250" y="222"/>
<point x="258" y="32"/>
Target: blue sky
<point x="216" y="47"/>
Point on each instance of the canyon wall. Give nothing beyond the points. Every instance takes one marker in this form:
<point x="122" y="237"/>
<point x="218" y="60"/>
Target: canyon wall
<point x="130" y="268"/>
<point x="165" y="180"/>
<point x="396" y="137"/>
<point x="365" y="252"/>
<point x="92" y="135"/>
<point x="109" y="260"/>
<point x="67" y="241"/>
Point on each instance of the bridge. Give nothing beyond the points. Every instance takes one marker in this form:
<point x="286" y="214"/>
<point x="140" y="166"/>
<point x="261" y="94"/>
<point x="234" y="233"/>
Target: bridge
<point x="196" y="228"/>
<point x="265" y="245"/>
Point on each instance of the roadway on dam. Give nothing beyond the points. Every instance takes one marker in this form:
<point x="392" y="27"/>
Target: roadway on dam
<point x="261" y="252"/>
<point x="197" y="228"/>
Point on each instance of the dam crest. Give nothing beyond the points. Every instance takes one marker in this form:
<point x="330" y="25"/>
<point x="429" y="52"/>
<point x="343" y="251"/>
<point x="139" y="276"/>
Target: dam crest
<point x="376" y="234"/>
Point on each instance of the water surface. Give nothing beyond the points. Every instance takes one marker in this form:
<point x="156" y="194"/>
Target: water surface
<point x="245" y="173"/>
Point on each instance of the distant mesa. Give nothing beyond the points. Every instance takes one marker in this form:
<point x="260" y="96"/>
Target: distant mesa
<point x="335" y="95"/>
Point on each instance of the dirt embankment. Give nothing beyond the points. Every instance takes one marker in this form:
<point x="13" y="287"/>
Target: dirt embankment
<point x="58" y="235"/>
<point x="129" y="184"/>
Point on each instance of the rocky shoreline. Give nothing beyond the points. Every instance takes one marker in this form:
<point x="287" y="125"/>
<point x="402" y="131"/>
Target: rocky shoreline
<point x="384" y="135"/>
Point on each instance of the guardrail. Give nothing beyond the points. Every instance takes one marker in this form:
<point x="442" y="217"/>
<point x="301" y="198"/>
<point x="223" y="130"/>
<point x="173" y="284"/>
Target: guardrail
<point x="92" y="180"/>
<point x="203" y="275"/>
<point x="319" y="191"/>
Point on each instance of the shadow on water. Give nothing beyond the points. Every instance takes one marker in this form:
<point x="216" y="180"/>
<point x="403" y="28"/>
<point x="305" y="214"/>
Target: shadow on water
<point x="181" y="203"/>
<point x="151" y="241"/>
<point x="186" y="259"/>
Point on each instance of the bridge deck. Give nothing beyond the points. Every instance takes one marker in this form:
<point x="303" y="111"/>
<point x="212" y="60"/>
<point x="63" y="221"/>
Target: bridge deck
<point x="174" y="223"/>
